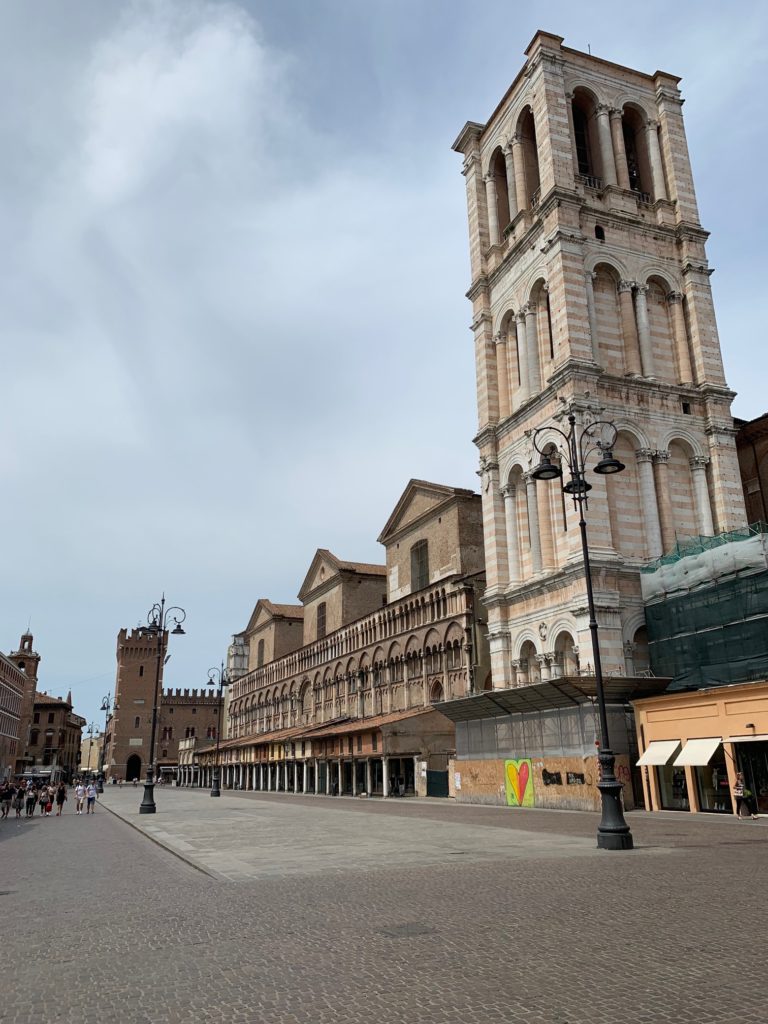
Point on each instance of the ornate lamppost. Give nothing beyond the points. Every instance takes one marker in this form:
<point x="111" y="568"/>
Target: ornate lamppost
<point x="576" y="446"/>
<point x="102" y="757"/>
<point x="157" y="621"/>
<point x="220" y="676"/>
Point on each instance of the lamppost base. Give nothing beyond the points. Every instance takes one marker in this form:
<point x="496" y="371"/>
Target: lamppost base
<point x="216" y="790"/>
<point x="147" y="805"/>
<point x="613" y="832"/>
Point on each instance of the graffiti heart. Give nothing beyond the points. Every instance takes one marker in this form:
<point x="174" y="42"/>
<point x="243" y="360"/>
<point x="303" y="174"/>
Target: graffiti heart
<point x="518" y="782"/>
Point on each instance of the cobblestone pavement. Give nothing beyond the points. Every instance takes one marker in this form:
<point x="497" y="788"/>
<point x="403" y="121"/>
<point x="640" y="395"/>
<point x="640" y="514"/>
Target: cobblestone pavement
<point x="475" y="922"/>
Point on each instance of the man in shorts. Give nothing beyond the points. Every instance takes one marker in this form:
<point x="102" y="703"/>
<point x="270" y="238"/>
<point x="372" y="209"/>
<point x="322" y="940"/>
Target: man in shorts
<point x="90" y="796"/>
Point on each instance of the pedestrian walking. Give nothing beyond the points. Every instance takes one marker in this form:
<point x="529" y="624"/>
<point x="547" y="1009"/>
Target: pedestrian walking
<point x="31" y="800"/>
<point x="6" y="796"/>
<point x="90" y="795"/>
<point x="50" y="793"/>
<point x="79" y="797"/>
<point x="744" y="798"/>
<point x="61" y="797"/>
<point x="42" y="798"/>
<point x="18" y="800"/>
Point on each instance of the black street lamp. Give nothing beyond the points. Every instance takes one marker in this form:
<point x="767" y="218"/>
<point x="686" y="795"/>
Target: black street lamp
<point x="599" y="436"/>
<point x="218" y="675"/>
<point x="157" y="621"/>
<point x="102" y="757"/>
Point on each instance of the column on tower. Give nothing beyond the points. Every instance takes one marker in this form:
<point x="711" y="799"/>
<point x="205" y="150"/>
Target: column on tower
<point x="518" y="163"/>
<point x="532" y="347"/>
<point x="546" y="532"/>
<point x="509" y="163"/>
<point x="509" y="493"/>
<point x="491" y="200"/>
<point x="664" y="499"/>
<point x="704" y="523"/>
<point x="534" y="537"/>
<point x="502" y="373"/>
<point x="485" y="369"/>
<point x="543" y="326"/>
<point x="650" y="507"/>
<point x="606" y="145"/>
<point x="644" y="330"/>
<point x="619" y="149"/>
<point x="629" y="329"/>
<point x="524" y="391"/>
<point x="592" y="312"/>
<point x="654" y="153"/>
<point x="680" y="333"/>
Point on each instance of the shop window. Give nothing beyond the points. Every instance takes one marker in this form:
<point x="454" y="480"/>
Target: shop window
<point x="712" y="784"/>
<point x="673" y="789"/>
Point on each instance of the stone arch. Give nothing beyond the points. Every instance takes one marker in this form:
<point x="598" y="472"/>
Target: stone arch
<point x="525" y="130"/>
<point x="133" y="768"/>
<point x="610" y="342"/>
<point x="629" y="526"/>
<point x="634" y="126"/>
<point x="436" y="692"/>
<point x="680" y="488"/>
<point x="530" y="667"/>
<point x="586" y="142"/>
<point x="497" y="169"/>
<point x="565" y="649"/>
<point x="661" y="328"/>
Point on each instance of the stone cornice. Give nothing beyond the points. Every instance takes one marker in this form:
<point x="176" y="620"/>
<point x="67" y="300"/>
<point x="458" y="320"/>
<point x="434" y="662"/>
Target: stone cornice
<point x="476" y="289"/>
<point x="543" y="585"/>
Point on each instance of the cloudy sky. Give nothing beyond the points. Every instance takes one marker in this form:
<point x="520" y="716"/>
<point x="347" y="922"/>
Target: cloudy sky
<point x="232" y="302"/>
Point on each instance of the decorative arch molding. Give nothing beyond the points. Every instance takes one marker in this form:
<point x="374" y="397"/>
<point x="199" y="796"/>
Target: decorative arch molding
<point x="566" y="624"/>
<point x="522" y="639"/>
<point x="654" y="269"/>
<point x="635" y="432"/>
<point x="634" y="621"/>
<point x="516" y="114"/>
<point x="625" y="99"/>
<point x="596" y="259"/>
<point x="572" y="84"/>
<point x="530" y="279"/>
<point x="453" y="634"/>
<point x="695" y="442"/>
<point x="497" y="148"/>
<point x="509" y="312"/>
<point x="412" y="646"/>
<point x="395" y="651"/>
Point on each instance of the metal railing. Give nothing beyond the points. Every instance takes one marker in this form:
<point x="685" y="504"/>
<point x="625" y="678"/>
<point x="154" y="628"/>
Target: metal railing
<point x="590" y="181"/>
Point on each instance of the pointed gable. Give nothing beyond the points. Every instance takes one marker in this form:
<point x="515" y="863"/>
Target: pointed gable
<point x="325" y="565"/>
<point x="419" y="501"/>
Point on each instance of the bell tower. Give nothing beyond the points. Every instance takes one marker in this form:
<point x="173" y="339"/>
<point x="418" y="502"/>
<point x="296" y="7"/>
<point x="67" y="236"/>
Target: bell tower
<point x="28" y="660"/>
<point x="590" y="295"/>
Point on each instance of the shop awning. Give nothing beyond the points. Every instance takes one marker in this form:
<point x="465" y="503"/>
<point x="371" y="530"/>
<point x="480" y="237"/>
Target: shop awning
<point x="747" y="739"/>
<point x="698" y="752"/>
<point x="659" y="752"/>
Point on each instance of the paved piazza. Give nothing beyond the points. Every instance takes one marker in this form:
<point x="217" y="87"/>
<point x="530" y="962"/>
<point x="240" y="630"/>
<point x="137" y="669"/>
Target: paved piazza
<point x="298" y="910"/>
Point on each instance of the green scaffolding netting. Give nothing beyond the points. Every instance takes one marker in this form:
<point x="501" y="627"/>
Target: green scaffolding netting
<point x="696" y="545"/>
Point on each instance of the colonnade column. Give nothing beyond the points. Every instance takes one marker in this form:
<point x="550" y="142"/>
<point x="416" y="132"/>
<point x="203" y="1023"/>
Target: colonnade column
<point x="666" y="518"/>
<point x="518" y="159"/>
<point x="269" y="777"/>
<point x="619" y="149"/>
<point x="261" y="776"/>
<point x="509" y="162"/>
<point x="368" y="779"/>
<point x="704" y="522"/>
<point x="354" y="777"/>
<point x="385" y="776"/>
<point x="493" y="209"/>
<point x="684" y="369"/>
<point x="592" y="312"/>
<point x="509" y="494"/>
<point x="644" y="330"/>
<point x="532" y="346"/>
<point x="522" y="354"/>
<point x="295" y="776"/>
<point x="629" y="329"/>
<point x="327" y="778"/>
<point x="657" y="168"/>
<point x="533" y="523"/>
<point x="341" y="776"/>
<point x="305" y="778"/>
<point x="648" y="503"/>
<point x="606" y="145"/>
<point x="502" y="374"/>
<point x="317" y="775"/>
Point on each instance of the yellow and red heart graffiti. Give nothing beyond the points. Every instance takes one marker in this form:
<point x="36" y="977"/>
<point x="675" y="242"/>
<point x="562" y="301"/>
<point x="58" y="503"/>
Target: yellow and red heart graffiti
<point x="518" y="782"/>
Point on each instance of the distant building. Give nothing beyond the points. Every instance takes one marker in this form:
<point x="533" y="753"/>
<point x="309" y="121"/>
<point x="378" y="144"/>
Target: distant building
<point x="343" y="691"/>
<point x="90" y="752"/>
<point x="54" y="737"/>
<point x="12" y="686"/>
<point x="28" y="660"/>
<point x="181" y="713"/>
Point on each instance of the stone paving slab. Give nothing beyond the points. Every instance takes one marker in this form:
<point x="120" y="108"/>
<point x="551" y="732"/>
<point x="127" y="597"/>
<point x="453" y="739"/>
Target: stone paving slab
<point x="100" y="924"/>
<point x="277" y="836"/>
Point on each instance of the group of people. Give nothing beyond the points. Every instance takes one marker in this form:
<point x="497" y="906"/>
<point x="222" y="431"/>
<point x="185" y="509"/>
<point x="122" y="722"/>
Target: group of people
<point x="26" y="796"/>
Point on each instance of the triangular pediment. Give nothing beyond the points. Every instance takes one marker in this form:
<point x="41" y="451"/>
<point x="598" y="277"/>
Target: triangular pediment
<point x="419" y="500"/>
<point x="265" y="611"/>
<point x="325" y="565"/>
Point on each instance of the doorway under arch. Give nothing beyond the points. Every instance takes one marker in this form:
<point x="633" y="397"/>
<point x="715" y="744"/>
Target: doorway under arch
<point x="133" y="768"/>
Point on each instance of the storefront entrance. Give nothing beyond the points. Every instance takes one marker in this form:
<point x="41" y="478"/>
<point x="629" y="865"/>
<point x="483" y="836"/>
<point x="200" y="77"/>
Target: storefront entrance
<point x="752" y="759"/>
<point x="673" y="789"/>
<point x="712" y="787"/>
